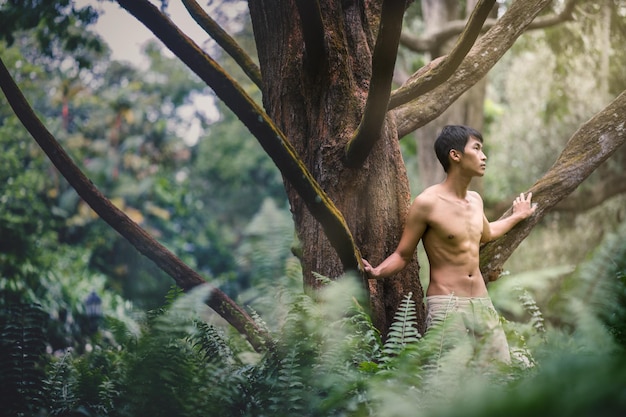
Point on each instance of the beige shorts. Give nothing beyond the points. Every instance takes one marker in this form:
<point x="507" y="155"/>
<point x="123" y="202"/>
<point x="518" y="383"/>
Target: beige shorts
<point x="473" y="319"/>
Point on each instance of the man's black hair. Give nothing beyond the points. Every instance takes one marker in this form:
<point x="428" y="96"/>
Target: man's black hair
<point x="453" y="137"/>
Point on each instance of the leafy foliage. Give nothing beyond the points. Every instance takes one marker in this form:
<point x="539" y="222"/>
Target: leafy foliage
<point x="324" y="363"/>
<point x="329" y="360"/>
<point x="35" y="268"/>
<point x="58" y="26"/>
<point x="604" y="278"/>
<point x="129" y="130"/>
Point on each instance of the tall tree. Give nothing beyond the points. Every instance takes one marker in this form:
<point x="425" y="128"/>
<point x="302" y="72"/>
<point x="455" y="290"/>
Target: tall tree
<point x="331" y="124"/>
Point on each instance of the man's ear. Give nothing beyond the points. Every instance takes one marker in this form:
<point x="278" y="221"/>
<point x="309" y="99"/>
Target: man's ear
<point x="455" y="155"/>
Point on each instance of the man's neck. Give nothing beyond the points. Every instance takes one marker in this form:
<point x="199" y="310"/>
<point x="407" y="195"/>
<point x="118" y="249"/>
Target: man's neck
<point x="457" y="185"/>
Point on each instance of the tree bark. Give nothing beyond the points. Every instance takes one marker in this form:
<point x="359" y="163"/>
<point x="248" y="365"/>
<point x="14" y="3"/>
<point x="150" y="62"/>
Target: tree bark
<point x="319" y="111"/>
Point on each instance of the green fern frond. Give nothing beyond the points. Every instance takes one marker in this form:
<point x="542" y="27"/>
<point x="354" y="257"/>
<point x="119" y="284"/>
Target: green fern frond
<point x="288" y="393"/>
<point x="22" y="358"/>
<point x="211" y="345"/>
<point x="302" y="321"/>
<point x="403" y="330"/>
<point x="361" y="334"/>
<point x="58" y="386"/>
<point x="530" y="306"/>
<point x="258" y="320"/>
<point x="323" y="280"/>
<point x="173" y="294"/>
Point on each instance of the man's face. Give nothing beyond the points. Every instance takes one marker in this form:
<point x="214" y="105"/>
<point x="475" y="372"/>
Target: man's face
<point x="474" y="159"/>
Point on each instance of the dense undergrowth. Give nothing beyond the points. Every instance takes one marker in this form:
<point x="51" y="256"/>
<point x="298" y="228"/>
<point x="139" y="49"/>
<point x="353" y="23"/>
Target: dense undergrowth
<point x="329" y="360"/>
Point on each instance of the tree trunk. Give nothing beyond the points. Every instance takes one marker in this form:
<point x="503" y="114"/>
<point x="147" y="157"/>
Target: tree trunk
<point x="318" y="106"/>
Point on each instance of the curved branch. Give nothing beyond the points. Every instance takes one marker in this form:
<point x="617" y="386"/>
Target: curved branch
<point x="454" y="27"/>
<point x="577" y="202"/>
<point x="590" y="146"/>
<point x="484" y="55"/>
<point x="223" y="39"/>
<point x="383" y="63"/>
<point x="185" y="277"/>
<point x="430" y="79"/>
<point x="313" y="32"/>
<point x="258" y="123"/>
<point x="423" y="44"/>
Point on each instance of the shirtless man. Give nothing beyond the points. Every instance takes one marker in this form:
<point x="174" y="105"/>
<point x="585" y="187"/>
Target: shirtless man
<point x="451" y="223"/>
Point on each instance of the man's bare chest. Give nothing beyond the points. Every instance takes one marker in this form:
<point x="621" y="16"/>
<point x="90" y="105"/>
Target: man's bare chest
<point x="456" y="222"/>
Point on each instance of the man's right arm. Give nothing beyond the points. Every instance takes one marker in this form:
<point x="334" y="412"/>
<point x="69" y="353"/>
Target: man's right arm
<point x="413" y="230"/>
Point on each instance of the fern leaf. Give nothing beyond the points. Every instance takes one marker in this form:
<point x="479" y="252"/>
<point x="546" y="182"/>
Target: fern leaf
<point x="403" y="330"/>
<point x="22" y="349"/>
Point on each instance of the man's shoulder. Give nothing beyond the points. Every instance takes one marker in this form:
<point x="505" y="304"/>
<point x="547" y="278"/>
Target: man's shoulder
<point x="429" y="195"/>
<point x="475" y="196"/>
<point x="426" y="200"/>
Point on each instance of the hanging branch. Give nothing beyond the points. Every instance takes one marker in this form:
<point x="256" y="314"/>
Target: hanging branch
<point x="258" y="123"/>
<point x="383" y="63"/>
<point x="223" y="39"/>
<point x="185" y="277"/>
<point x="590" y="146"/>
<point x="313" y="32"/>
<point x="436" y="75"/>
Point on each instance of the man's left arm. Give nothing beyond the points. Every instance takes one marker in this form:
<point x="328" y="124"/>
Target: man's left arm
<point x="522" y="209"/>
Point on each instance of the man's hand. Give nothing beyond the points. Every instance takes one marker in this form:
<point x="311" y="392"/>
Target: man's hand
<point x="522" y="207"/>
<point x="390" y="266"/>
<point x="369" y="269"/>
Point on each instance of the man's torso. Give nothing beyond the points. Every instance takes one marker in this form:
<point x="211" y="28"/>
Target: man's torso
<point x="452" y="243"/>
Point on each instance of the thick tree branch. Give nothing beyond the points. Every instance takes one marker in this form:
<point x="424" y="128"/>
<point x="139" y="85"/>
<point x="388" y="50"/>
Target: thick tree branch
<point x="484" y="55"/>
<point x="577" y="202"/>
<point x="223" y="39"/>
<point x="258" y="123"/>
<point x="428" y="80"/>
<point x="383" y="63"/>
<point x="453" y="28"/>
<point x="185" y="277"/>
<point x="590" y="146"/>
<point x="312" y="32"/>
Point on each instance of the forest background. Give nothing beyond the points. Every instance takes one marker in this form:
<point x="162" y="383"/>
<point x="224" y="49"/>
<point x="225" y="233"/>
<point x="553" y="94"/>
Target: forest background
<point x="218" y="202"/>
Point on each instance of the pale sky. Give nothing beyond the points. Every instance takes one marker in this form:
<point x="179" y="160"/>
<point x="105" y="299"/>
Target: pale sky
<point x="126" y="37"/>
